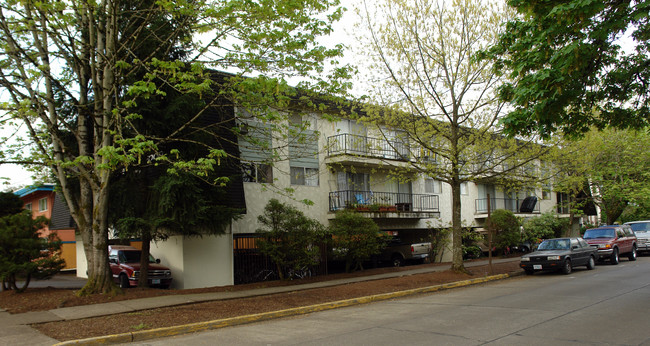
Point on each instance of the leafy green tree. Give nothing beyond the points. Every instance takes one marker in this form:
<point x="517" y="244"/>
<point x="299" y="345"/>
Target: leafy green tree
<point x="545" y="226"/>
<point x="440" y="240"/>
<point x="570" y="68"/>
<point x="10" y="204"/>
<point x="506" y="228"/>
<point x="613" y="165"/>
<point x="289" y="238"/>
<point x="24" y="255"/>
<point x="355" y="239"/>
<point x="153" y="207"/>
<point x="430" y="89"/>
<point x="74" y="74"/>
<point x="471" y="243"/>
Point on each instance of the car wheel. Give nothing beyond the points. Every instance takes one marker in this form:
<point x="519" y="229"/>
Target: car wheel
<point x="591" y="264"/>
<point x="614" y="258"/>
<point x="124" y="281"/>
<point x="529" y="271"/>
<point x="398" y="261"/>
<point x="632" y="255"/>
<point x="566" y="267"/>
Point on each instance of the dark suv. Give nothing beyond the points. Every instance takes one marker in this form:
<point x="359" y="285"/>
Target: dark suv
<point x="612" y="241"/>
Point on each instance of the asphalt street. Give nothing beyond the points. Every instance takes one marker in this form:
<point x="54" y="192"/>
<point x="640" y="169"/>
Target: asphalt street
<point x="605" y="306"/>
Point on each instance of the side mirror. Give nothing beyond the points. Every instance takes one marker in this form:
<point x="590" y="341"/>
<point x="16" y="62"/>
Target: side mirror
<point x="574" y="247"/>
<point x="112" y="260"/>
<point x="158" y="260"/>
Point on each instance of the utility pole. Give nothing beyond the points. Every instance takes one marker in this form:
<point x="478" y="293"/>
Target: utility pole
<point x="489" y="236"/>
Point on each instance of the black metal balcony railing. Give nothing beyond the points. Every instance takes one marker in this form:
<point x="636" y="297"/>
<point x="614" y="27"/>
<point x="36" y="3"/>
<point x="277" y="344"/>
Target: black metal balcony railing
<point x="515" y="205"/>
<point x="391" y="201"/>
<point x="366" y="146"/>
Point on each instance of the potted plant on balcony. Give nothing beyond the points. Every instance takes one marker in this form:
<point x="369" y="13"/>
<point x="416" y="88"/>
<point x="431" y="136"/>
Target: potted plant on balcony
<point x="361" y="207"/>
<point x="387" y="208"/>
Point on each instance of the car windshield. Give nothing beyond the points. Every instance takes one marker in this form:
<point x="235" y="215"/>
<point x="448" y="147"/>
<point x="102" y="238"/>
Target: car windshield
<point x="640" y="227"/>
<point x="133" y="256"/>
<point x="599" y="233"/>
<point x="554" y="244"/>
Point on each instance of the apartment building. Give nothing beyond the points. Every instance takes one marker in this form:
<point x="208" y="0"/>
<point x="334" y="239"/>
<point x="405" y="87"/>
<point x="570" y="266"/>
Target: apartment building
<point x="42" y="200"/>
<point x="337" y="165"/>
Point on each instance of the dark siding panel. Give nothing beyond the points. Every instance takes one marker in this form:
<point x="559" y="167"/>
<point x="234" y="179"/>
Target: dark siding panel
<point x="222" y="117"/>
<point x="61" y="218"/>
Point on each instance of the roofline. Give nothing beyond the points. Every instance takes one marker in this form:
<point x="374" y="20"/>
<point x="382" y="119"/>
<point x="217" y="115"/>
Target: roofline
<point x="31" y="189"/>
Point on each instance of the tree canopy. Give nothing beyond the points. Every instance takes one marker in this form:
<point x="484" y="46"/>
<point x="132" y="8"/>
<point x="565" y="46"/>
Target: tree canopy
<point x="355" y="238"/>
<point x="25" y="253"/>
<point x="289" y="238"/>
<point x="575" y="64"/>
<point x="76" y="74"/>
<point x="431" y="92"/>
<point x="612" y="166"/>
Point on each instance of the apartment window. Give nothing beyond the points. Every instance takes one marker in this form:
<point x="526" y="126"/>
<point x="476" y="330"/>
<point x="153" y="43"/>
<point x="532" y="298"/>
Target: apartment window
<point x="562" y="203"/>
<point x="257" y="173"/>
<point x="28" y="206"/>
<point x="463" y="188"/>
<point x="432" y="186"/>
<point x="42" y="204"/>
<point x="304" y="176"/>
<point x="546" y="191"/>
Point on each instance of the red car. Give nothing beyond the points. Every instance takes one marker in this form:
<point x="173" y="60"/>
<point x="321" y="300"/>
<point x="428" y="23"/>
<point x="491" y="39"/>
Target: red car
<point x="125" y="266"/>
<point x="612" y="242"/>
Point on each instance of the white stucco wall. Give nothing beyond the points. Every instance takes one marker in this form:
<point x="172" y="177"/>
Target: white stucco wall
<point x="82" y="263"/>
<point x="170" y="254"/>
<point x="208" y="261"/>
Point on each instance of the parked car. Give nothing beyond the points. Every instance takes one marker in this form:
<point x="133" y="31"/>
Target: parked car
<point x="612" y="242"/>
<point x="398" y="252"/>
<point x="561" y="254"/>
<point x="642" y="232"/>
<point x="125" y="267"/>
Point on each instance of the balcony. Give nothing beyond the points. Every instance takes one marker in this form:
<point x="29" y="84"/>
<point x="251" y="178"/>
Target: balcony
<point x="348" y="144"/>
<point x="386" y="204"/>
<point x="526" y="205"/>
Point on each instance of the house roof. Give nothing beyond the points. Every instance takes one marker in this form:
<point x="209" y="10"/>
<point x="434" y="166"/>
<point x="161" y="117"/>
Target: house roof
<point x="31" y="189"/>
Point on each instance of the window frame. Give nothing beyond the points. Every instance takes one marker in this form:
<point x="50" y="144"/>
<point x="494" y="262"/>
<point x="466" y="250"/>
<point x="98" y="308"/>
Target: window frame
<point x="304" y="178"/>
<point x="433" y="183"/>
<point x="464" y="191"/>
<point x="254" y="172"/>
<point x="40" y="207"/>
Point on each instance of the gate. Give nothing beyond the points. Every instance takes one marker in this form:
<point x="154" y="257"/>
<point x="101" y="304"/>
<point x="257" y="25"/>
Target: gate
<point x="250" y="265"/>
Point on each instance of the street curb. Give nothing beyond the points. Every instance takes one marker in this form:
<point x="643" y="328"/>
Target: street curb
<point x="233" y="321"/>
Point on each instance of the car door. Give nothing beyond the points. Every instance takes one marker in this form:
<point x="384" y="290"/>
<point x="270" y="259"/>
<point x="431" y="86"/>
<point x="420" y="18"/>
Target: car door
<point x="578" y="254"/>
<point x="588" y="249"/>
<point x="112" y="259"/>
<point x="625" y="242"/>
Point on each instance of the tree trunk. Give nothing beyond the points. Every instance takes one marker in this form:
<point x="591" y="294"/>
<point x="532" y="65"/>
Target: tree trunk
<point x="457" y="229"/>
<point x="143" y="280"/>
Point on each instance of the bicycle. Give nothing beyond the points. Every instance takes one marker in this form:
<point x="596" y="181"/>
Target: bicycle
<point x="301" y="273"/>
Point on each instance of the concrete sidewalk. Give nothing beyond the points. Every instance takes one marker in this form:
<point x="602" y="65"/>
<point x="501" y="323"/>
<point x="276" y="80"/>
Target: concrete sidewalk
<point x="15" y="330"/>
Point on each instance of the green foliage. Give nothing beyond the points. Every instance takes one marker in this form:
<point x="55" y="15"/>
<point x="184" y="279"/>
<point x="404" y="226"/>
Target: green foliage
<point x="547" y="225"/>
<point x="440" y="240"/>
<point x="424" y="66"/>
<point x="289" y="237"/>
<point x="23" y="253"/>
<point x="615" y="163"/>
<point x="116" y="66"/>
<point x="10" y="204"/>
<point x="568" y="70"/>
<point x="471" y="243"/>
<point x="355" y="239"/>
<point x="506" y="228"/>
